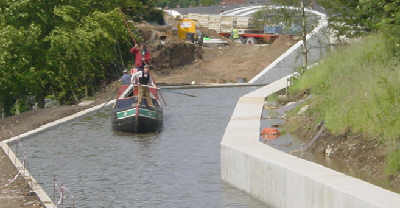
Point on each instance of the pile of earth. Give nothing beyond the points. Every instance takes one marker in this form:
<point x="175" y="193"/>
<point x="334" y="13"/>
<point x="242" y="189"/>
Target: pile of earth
<point x="166" y="49"/>
<point x="227" y="64"/>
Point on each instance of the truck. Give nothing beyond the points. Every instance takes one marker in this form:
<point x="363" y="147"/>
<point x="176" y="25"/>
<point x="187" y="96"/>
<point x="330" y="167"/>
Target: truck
<point x="250" y="37"/>
<point x="225" y="24"/>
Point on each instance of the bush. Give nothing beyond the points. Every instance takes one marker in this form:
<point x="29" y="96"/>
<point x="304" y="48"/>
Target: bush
<point x="64" y="48"/>
<point x="393" y="163"/>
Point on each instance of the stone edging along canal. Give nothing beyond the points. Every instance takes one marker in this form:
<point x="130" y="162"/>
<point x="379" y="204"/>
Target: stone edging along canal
<point x="282" y="180"/>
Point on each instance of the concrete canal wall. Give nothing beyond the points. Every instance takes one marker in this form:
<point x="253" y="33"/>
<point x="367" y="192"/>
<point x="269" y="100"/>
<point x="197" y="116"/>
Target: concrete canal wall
<point x="282" y="180"/>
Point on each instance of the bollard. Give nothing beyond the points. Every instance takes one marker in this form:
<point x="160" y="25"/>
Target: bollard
<point x="16" y="153"/>
<point x="17" y="107"/>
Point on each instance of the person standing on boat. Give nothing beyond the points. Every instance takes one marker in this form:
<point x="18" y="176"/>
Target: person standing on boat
<point x="142" y="55"/>
<point x="126" y="78"/>
<point x="144" y="81"/>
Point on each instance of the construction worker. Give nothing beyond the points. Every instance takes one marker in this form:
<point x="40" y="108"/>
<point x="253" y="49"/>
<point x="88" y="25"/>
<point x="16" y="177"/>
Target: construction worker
<point x="199" y="38"/>
<point x="235" y="34"/>
<point x="143" y="79"/>
<point x="142" y="55"/>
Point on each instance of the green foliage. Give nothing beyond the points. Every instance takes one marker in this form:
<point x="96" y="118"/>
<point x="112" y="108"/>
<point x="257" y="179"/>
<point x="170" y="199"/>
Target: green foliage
<point x="208" y="2"/>
<point x="186" y="3"/>
<point x="291" y="3"/>
<point x="63" y="48"/>
<point x="354" y="18"/>
<point x="393" y="163"/>
<point x="272" y="98"/>
<point x="357" y="89"/>
<point x="271" y="16"/>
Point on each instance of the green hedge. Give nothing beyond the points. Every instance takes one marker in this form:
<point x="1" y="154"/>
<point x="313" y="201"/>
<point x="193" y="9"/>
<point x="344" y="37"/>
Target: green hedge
<point x="66" y="49"/>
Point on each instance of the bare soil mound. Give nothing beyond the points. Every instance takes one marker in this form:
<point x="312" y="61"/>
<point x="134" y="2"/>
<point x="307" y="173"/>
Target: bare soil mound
<point x="227" y="64"/>
<point x="170" y="52"/>
<point x="174" y="54"/>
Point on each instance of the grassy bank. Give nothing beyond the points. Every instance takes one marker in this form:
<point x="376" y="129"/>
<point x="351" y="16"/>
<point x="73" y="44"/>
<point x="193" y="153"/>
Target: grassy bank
<point x="357" y="90"/>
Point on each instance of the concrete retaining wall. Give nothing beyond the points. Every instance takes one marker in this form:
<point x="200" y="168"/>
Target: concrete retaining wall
<point x="282" y="180"/>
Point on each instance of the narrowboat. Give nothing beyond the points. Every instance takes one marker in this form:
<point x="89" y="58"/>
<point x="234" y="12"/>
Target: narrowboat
<point x="130" y="116"/>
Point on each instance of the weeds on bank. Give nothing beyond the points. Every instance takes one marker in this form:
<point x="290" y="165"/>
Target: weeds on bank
<point x="392" y="162"/>
<point x="357" y="89"/>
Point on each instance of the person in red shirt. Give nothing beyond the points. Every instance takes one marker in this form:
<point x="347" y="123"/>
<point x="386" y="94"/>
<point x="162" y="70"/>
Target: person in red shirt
<point x="142" y="55"/>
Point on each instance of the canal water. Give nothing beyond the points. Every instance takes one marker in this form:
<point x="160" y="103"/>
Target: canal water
<point x="273" y="117"/>
<point x="179" y="167"/>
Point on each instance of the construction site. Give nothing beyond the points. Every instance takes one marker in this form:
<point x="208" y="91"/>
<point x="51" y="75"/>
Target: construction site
<point x="199" y="48"/>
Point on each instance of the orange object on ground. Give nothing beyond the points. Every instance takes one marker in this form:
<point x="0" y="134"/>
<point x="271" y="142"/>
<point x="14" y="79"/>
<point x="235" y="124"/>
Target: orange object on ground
<point x="270" y="133"/>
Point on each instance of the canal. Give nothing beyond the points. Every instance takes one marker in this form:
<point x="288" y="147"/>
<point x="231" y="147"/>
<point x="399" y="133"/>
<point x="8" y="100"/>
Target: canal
<point x="179" y="167"/>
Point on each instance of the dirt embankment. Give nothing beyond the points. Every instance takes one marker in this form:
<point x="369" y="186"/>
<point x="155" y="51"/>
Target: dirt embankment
<point x="177" y="61"/>
<point x="17" y="194"/>
<point x="167" y="51"/>
<point x="227" y="64"/>
<point x="353" y="154"/>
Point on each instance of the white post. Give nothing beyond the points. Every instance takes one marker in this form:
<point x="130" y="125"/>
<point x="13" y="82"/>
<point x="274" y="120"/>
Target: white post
<point x="2" y="112"/>
<point x="17" y="107"/>
<point x="305" y="51"/>
<point x="54" y="188"/>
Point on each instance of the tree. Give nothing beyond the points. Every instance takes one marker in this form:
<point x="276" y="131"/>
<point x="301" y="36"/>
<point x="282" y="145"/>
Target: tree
<point x="354" y="18"/>
<point x="293" y="9"/>
<point x="186" y="3"/>
<point x="207" y="2"/>
<point x="62" y="48"/>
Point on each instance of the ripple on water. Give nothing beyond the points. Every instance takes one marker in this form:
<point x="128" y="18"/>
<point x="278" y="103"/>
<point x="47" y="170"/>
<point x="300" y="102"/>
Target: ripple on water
<point x="178" y="167"/>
